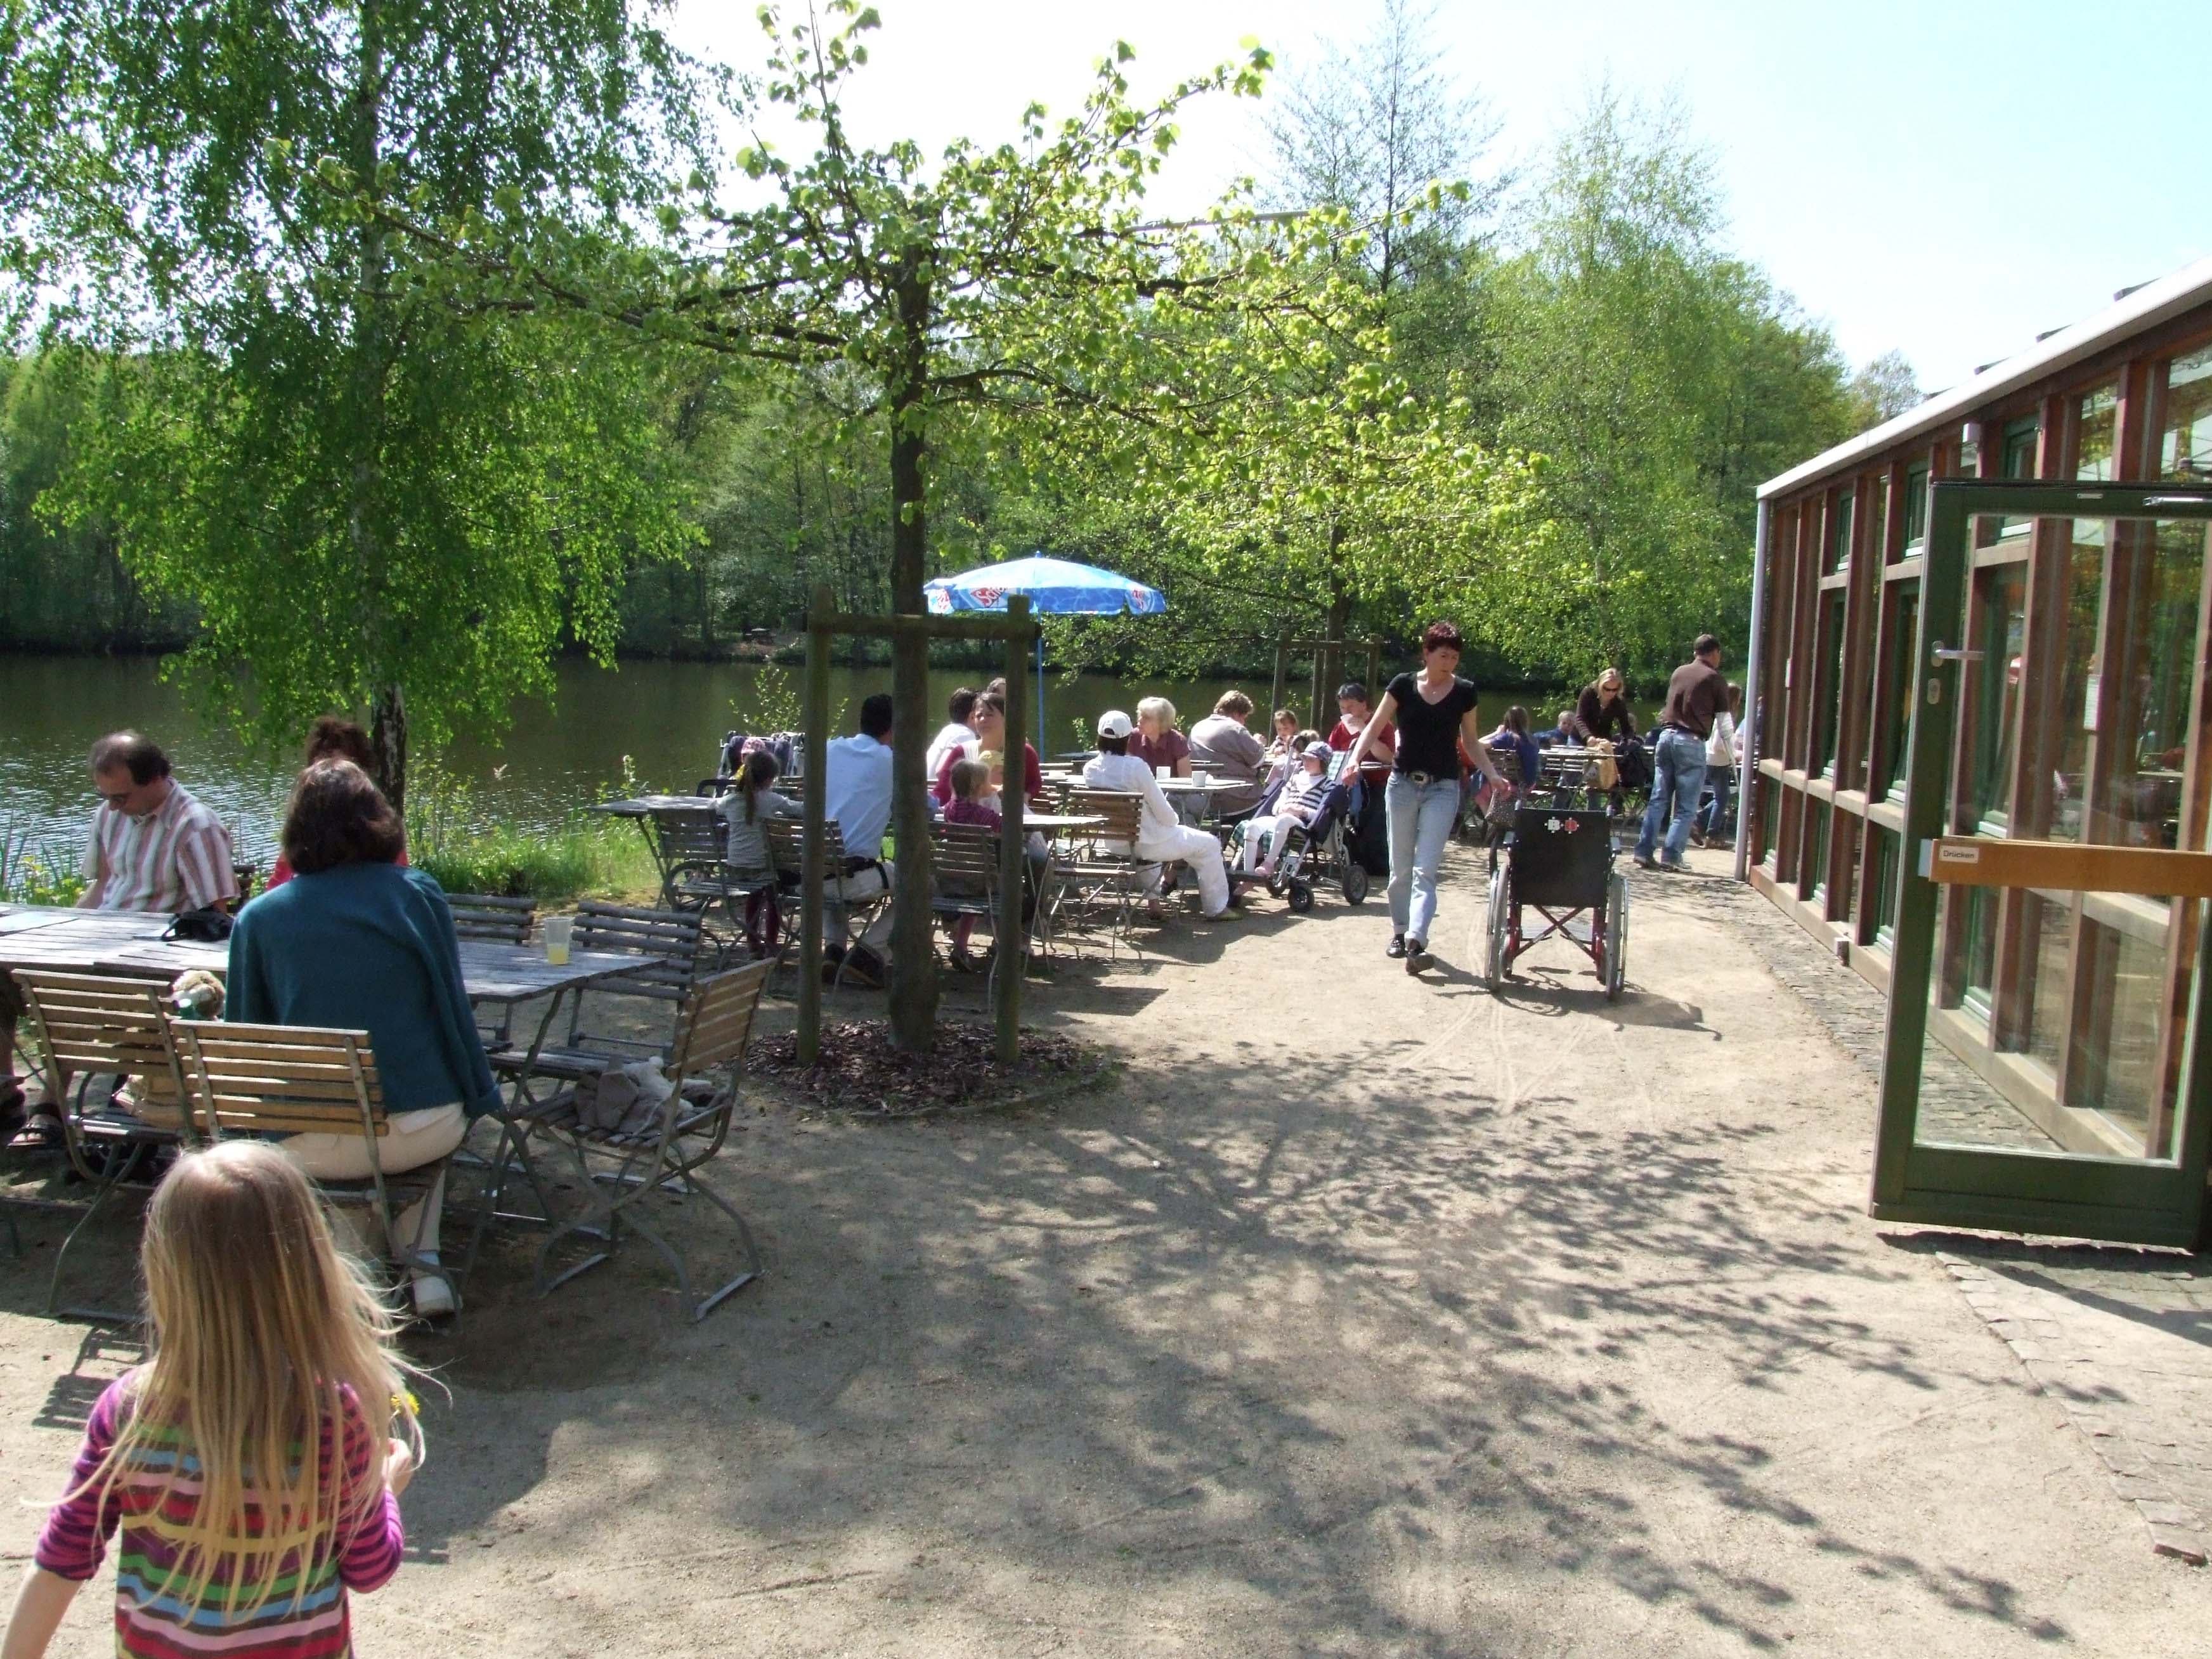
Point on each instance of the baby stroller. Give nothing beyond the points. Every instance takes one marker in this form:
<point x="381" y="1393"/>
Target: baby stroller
<point x="1559" y="862"/>
<point x="1322" y="849"/>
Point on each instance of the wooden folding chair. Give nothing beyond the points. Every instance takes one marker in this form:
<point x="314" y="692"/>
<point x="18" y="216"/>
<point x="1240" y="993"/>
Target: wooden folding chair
<point x="1106" y="871"/>
<point x="492" y="917"/>
<point x="666" y="944"/>
<point x="787" y="846"/>
<point x="84" y="1026"/>
<point x="624" y="1175"/>
<point x="965" y="869"/>
<point x="260" y="1080"/>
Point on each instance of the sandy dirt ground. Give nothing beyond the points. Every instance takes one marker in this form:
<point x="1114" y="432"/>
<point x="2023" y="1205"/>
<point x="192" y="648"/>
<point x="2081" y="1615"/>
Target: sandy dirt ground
<point x="1360" y="1316"/>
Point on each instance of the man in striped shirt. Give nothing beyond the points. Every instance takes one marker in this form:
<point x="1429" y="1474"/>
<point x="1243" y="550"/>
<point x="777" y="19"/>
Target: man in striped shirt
<point x="152" y="848"/>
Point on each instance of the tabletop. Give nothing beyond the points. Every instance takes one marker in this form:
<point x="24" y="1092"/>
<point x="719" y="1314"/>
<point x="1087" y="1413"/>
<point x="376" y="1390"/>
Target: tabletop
<point x="130" y="942"/>
<point x="640" y="806"/>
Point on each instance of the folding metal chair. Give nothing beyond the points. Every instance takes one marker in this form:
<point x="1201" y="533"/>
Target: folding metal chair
<point x="1106" y="870"/>
<point x="964" y="858"/>
<point x="626" y="1176"/>
<point x="261" y="1080"/>
<point x="492" y="917"/>
<point x="84" y="1026"/>
<point x="666" y="944"/>
<point x="787" y="844"/>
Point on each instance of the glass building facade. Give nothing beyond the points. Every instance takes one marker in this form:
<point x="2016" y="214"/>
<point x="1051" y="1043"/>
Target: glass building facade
<point x="2082" y="715"/>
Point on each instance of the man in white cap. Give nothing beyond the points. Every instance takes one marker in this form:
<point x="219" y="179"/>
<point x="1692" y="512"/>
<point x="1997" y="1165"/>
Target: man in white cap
<point x="1161" y="837"/>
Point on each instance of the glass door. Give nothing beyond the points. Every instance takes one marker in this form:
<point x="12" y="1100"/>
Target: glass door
<point x="2043" y="1070"/>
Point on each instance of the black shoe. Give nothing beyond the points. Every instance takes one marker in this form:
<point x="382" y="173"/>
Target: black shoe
<point x="862" y="967"/>
<point x="1397" y="946"/>
<point x="1645" y="861"/>
<point x="1417" y="956"/>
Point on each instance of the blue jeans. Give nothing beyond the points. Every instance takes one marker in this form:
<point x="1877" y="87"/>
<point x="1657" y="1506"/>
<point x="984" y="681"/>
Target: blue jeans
<point x="1716" y="811"/>
<point x="1421" y="819"/>
<point x="1678" y="768"/>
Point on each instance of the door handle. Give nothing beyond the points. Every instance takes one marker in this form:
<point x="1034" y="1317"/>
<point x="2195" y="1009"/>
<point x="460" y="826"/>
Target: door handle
<point x="1942" y="652"/>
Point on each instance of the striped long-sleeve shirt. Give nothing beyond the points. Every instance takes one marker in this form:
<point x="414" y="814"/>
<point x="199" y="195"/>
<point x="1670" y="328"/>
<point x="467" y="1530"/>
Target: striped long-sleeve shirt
<point x="175" y="858"/>
<point x="154" y="1623"/>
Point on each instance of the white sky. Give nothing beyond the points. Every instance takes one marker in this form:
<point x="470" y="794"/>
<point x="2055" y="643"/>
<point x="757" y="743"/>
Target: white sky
<point x="1946" y="180"/>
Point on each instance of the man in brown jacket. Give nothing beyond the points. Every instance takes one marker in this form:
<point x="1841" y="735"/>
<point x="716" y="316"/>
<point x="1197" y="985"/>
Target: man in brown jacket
<point x="1695" y="694"/>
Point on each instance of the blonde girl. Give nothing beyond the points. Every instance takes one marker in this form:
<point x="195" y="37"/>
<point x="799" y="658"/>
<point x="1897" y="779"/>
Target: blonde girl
<point x="265" y="1343"/>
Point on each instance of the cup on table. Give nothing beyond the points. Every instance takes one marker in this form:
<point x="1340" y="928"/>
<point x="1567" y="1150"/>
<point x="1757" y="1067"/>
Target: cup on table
<point x="557" y="931"/>
<point x="1164" y="773"/>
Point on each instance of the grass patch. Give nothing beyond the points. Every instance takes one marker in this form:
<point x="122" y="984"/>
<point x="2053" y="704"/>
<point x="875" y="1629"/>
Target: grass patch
<point x="451" y="837"/>
<point x="558" y="866"/>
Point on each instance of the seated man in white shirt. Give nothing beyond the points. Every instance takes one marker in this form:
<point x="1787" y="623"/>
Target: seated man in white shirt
<point x="956" y="733"/>
<point x="1161" y="836"/>
<point x="856" y="796"/>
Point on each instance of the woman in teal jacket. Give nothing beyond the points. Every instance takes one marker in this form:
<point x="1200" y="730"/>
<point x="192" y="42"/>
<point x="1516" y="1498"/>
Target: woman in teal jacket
<point x="358" y="941"/>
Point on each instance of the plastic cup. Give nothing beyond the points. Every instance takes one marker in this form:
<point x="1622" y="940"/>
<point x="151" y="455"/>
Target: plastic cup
<point x="557" y="930"/>
<point x="1164" y="773"/>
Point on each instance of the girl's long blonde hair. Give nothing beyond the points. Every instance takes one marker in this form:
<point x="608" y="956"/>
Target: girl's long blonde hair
<point x="258" y="1321"/>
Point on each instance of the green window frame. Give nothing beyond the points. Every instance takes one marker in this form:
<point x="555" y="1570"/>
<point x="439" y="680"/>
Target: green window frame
<point x="1915" y="505"/>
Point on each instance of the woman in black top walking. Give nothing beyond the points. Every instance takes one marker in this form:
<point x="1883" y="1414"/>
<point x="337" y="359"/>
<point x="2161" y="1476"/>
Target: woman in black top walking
<point x="1434" y="712"/>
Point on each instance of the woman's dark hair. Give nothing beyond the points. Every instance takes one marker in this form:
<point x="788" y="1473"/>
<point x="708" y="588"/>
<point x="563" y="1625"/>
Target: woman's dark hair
<point x="1440" y="637"/>
<point x="333" y="738"/>
<point x="131" y="751"/>
<point x="1517" y="719"/>
<point x="1113" y="745"/>
<point x="760" y="772"/>
<point x="1735" y="698"/>
<point x="961" y="705"/>
<point x="337" y="817"/>
<point x="993" y="701"/>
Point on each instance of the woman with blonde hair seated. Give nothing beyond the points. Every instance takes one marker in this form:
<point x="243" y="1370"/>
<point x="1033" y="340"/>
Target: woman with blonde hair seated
<point x="1156" y="742"/>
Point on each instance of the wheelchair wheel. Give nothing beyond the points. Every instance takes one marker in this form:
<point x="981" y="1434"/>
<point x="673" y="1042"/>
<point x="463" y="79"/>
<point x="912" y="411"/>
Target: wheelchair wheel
<point x="1355" y="881"/>
<point x="1300" y="895"/>
<point x="1495" y="967"/>
<point x="1615" y="971"/>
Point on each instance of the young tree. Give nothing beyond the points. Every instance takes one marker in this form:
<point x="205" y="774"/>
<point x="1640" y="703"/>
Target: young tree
<point x="959" y="308"/>
<point x="1658" y="377"/>
<point x="372" y="495"/>
<point x="1884" y="388"/>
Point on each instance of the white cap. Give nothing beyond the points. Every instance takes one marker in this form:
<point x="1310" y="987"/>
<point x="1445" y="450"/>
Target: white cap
<point x="1115" y="724"/>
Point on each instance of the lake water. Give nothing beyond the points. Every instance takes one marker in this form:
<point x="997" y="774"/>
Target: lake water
<point x="669" y="718"/>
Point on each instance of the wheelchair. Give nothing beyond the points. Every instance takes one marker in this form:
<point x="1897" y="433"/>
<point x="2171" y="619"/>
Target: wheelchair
<point x="1558" y="859"/>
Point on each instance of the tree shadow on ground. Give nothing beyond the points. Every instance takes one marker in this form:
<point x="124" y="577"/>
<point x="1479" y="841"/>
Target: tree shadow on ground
<point x="1065" y="1341"/>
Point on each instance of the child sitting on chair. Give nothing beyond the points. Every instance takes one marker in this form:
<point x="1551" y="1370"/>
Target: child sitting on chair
<point x="973" y="802"/>
<point x="1263" y="837"/>
<point x="744" y="811"/>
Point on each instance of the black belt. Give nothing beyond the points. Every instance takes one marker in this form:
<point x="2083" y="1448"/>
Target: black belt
<point x="853" y="867"/>
<point x="1425" y="779"/>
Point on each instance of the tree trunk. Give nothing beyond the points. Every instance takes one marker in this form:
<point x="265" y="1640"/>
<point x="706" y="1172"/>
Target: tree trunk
<point x="913" y="958"/>
<point x="387" y="744"/>
<point x="1339" y="618"/>
<point x="372" y="375"/>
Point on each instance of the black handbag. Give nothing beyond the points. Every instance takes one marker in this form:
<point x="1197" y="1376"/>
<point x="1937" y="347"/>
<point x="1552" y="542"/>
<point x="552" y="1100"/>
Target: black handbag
<point x="208" y="926"/>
